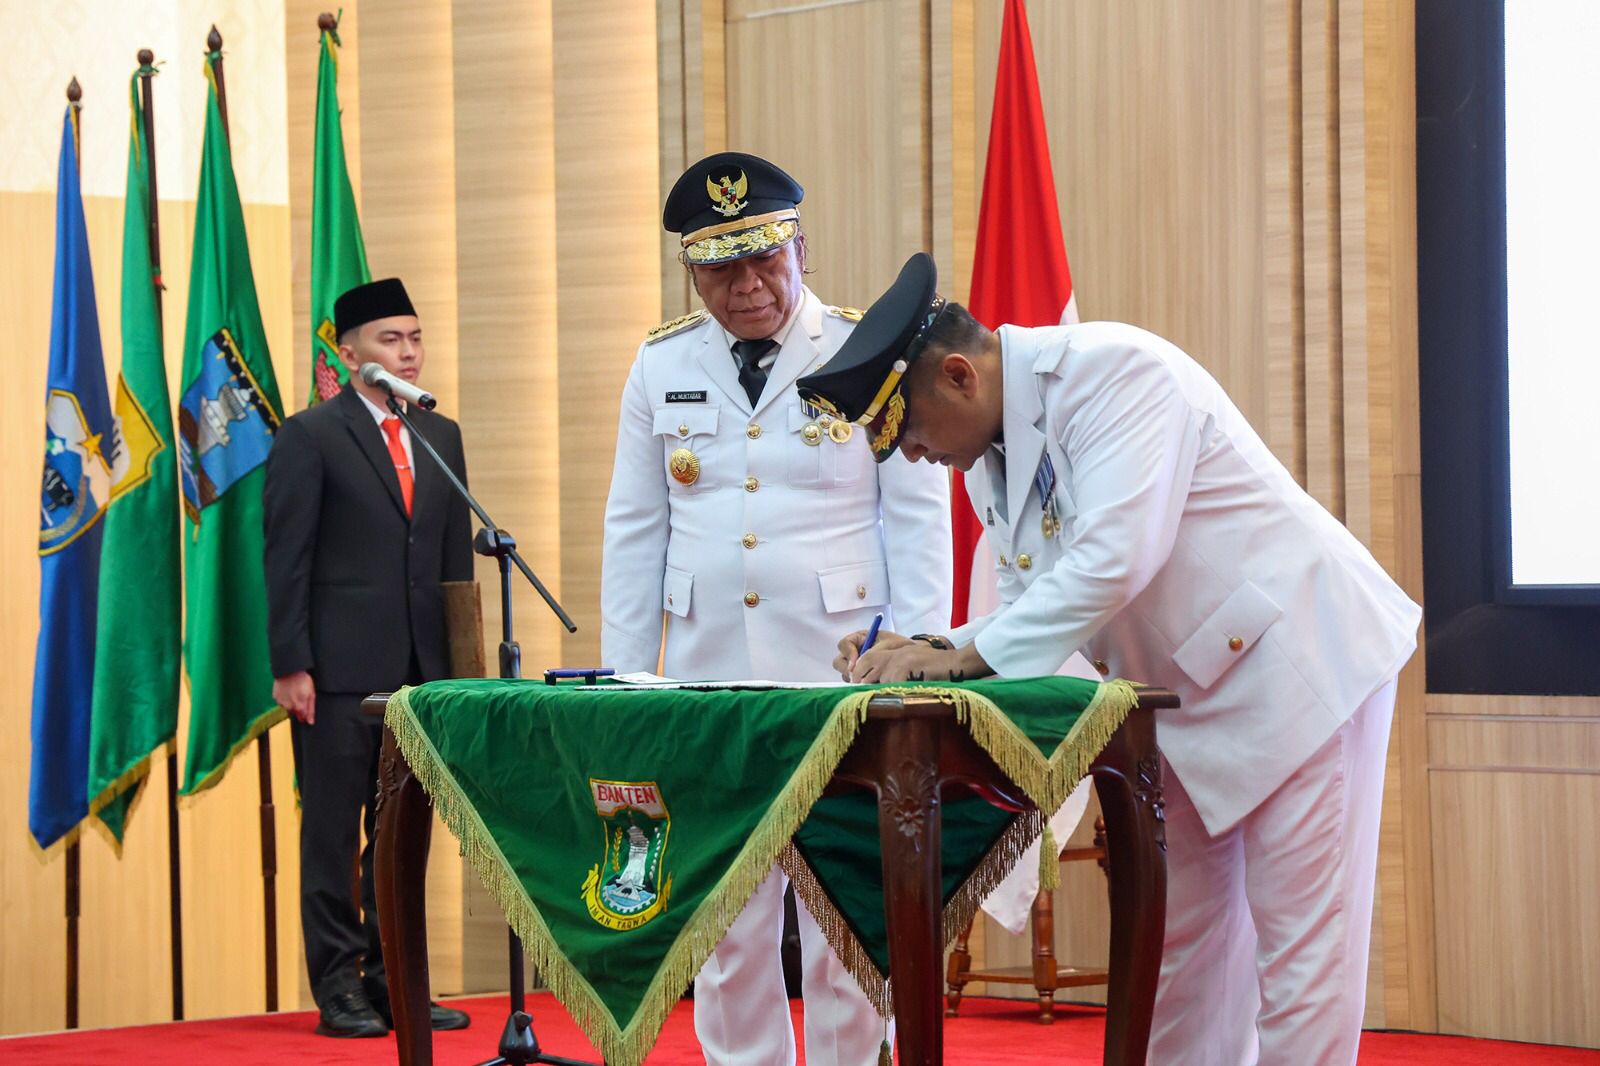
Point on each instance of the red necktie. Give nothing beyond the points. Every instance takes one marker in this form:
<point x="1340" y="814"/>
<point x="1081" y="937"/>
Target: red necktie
<point x="402" y="466"/>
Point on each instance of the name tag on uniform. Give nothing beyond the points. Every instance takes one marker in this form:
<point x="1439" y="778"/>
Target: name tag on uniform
<point x="686" y="397"/>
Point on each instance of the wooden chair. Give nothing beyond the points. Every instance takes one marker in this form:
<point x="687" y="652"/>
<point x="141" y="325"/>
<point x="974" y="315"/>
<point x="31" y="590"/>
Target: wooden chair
<point x="1045" y="975"/>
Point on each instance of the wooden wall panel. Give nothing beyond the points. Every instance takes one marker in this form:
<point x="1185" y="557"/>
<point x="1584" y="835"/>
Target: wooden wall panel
<point x="1322" y="232"/>
<point x="954" y="151"/>
<point x="1553" y="744"/>
<point x="408" y="168"/>
<point x="608" y="266"/>
<point x="1515" y="867"/>
<point x="691" y="83"/>
<point x="856" y="144"/>
<point x="33" y="943"/>
<point x="1154" y="113"/>
<point x="508" y="370"/>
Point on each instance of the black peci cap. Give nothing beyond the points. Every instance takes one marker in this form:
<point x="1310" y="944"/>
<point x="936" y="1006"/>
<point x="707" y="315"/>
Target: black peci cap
<point x="731" y="205"/>
<point x="384" y="298"/>
<point x="863" y="382"/>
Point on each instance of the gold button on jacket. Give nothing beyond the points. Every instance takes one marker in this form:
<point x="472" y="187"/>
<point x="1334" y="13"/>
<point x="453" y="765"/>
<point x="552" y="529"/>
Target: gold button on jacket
<point x="749" y="540"/>
<point x="753" y="431"/>
<point x="751" y="484"/>
<point x="1235" y="643"/>
<point x="1025" y="561"/>
<point x="1101" y="666"/>
<point x="751" y="599"/>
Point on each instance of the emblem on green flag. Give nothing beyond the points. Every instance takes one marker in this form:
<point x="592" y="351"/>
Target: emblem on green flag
<point x="338" y="255"/>
<point x="630" y="885"/>
<point x="228" y="410"/>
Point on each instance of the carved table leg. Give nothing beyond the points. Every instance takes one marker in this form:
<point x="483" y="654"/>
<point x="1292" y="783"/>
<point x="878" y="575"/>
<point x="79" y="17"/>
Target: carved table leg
<point x="400" y="863"/>
<point x="909" y="821"/>
<point x="1043" y="918"/>
<point x="1128" y="780"/>
<point x="956" y="974"/>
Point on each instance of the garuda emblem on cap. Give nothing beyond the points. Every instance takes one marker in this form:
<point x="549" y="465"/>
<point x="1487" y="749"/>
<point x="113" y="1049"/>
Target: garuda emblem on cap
<point x="727" y="193"/>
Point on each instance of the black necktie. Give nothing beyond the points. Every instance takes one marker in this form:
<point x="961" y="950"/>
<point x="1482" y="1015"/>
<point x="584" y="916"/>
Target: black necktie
<point x="751" y="374"/>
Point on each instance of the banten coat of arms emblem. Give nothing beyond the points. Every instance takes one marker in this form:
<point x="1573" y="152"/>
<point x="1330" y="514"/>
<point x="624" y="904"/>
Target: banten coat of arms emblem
<point x="629" y="886"/>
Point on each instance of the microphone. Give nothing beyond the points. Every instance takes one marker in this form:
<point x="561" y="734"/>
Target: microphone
<point x="398" y="387"/>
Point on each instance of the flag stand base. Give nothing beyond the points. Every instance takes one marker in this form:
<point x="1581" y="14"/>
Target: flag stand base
<point x="519" y="1047"/>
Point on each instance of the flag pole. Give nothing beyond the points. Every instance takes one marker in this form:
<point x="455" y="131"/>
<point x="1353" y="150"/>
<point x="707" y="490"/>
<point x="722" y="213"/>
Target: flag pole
<point x="74" y="869"/>
<point x="147" y="71"/>
<point x="269" y="833"/>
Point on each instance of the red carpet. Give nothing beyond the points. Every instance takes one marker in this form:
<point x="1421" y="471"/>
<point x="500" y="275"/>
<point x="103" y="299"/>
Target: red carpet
<point x="990" y="1032"/>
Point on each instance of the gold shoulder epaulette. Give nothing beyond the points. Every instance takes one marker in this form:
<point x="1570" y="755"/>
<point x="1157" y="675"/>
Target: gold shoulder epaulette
<point x="850" y="314"/>
<point x="676" y="325"/>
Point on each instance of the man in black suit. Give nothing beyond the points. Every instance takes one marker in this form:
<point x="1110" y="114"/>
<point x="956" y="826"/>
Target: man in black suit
<point x="359" y="538"/>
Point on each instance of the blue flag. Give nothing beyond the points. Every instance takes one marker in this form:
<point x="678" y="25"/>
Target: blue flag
<point x="78" y="443"/>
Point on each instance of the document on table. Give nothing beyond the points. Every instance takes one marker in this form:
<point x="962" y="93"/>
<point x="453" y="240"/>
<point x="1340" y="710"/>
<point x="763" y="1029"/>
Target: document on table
<point x="643" y="679"/>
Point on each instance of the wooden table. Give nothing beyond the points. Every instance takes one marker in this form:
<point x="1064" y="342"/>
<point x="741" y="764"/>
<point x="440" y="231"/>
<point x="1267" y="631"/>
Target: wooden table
<point x="910" y="753"/>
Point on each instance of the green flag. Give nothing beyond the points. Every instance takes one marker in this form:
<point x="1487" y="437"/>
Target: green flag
<point x="135" y="705"/>
<point x="227" y="416"/>
<point x="338" y="256"/>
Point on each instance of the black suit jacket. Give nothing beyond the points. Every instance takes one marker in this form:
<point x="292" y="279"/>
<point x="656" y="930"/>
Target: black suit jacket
<point x="353" y="585"/>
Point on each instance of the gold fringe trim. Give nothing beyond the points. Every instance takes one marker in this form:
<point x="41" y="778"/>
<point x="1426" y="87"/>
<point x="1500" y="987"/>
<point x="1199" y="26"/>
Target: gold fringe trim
<point x="62" y="843"/>
<point x="988" y="874"/>
<point x="961" y="908"/>
<point x="626" y="1046"/>
<point x="131" y="777"/>
<point x="265" y="721"/>
<point x="1047" y="782"/>
<point x="841" y="938"/>
<point x="1049" y="860"/>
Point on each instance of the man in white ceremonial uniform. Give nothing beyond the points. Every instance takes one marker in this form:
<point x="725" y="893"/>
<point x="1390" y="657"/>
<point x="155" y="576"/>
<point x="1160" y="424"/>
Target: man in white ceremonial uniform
<point x="1138" y="517"/>
<point x="756" y="528"/>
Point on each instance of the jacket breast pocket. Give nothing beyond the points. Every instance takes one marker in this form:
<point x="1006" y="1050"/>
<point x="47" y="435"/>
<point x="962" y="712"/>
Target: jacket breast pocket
<point x="676" y="587"/>
<point x="1225" y="637"/>
<point x="687" y="435"/>
<point x="816" y="460"/>
<point x="852" y="587"/>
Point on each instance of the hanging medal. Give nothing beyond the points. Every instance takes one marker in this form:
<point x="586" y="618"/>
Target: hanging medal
<point x="1044" y="479"/>
<point x="815" y="425"/>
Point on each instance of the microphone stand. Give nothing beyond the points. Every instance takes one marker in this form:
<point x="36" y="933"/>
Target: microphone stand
<point x="518" y="1044"/>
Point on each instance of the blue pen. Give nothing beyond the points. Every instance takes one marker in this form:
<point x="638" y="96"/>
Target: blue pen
<point x="872" y="633"/>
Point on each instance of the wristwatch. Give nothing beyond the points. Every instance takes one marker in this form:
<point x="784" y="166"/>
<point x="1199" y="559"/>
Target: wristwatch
<point x="934" y="641"/>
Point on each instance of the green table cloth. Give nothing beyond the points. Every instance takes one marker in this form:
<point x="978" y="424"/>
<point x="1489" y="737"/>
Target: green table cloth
<point x="623" y="828"/>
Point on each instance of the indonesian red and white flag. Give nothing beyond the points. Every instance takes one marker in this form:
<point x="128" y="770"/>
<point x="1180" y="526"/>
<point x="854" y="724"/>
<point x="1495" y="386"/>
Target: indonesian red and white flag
<point x="1019" y="276"/>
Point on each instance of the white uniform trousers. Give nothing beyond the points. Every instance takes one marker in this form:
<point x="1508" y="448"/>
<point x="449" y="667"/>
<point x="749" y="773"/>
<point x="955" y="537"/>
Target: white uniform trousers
<point x="741" y="1010"/>
<point x="1269" y="922"/>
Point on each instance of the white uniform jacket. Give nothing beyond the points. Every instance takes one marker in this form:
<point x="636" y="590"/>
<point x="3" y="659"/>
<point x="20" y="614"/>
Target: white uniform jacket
<point x="777" y="548"/>
<point x="1188" y="558"/>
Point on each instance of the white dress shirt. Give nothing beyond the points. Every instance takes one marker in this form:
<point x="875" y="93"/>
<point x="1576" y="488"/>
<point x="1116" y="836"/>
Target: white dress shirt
<point x="383" y="414"/>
